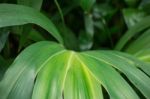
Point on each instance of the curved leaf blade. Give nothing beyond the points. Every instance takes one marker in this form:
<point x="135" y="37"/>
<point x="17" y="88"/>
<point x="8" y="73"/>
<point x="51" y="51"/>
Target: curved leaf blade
<point x="11" y="14"/>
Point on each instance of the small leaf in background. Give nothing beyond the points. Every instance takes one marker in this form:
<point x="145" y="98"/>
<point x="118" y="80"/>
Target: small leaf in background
<point x="86" y="37"/>
<point x="136" y="29"/>
<point x="60" y="11"/>
<point x="103" y="10"/>
<point x="86" y="4"/>
<point x="132" y="16"/>
<point x="70" y="40"/>
<point x="131" y="3"/>
<point x="145" y="5"/>
<point x="102" y="14"/>
<point x="3" y="37"/>
<point x="25" y="33"/>
<point x="35" y="36"/>
<point x="65" y="10"/>
<point x="85" y="41"/>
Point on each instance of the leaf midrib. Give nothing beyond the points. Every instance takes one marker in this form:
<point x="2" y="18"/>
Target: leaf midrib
<point x="68" y="67"/>
<point x="88" y="74"/>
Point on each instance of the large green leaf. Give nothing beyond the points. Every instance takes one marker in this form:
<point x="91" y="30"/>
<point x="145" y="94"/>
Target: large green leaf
<point x="11" y="14"/>
<point x="46" y="70"/>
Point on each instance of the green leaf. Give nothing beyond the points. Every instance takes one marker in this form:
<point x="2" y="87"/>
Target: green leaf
<point x="80" y="84"/>
<point x="35" y="36"/>
<point x="145" y="5"/>
<point x="142" y="25"/>
<point x="24" y="75"/>
<point x="86" y="4"/>
<point x="86" y="38"/>
<point x="143" y="55"/>
<point x="104" y="9"/>
<point x="11" y="14"/>
<point x="57" y="73"/>
<point x="60" y="11"/>
<point x="70" y="40"/>
<point x="109" y="78"/>
<point x="36" y="4"/>
<point x="31" y="3"/>
<point x="141" y="43"/>
<point x="133" y="16"/>
<point x="131" y="3"/>
<point x="25" y="33"/>
<point x="120" y="62"/>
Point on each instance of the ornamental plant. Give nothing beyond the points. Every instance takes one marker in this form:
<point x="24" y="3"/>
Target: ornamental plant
<point x="65" y="65"/>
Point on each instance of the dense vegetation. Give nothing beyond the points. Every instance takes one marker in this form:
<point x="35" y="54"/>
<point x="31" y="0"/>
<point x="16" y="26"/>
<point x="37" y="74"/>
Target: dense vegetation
<point x="74" y="49"/>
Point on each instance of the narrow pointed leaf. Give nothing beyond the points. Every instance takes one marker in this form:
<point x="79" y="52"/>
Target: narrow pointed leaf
<point x="142" y="25"/>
